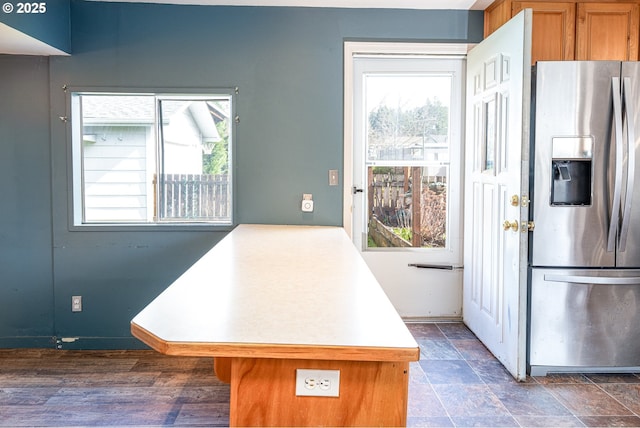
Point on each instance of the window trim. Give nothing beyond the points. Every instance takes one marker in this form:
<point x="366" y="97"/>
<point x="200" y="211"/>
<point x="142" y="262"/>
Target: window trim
<point x="74" y="158"/>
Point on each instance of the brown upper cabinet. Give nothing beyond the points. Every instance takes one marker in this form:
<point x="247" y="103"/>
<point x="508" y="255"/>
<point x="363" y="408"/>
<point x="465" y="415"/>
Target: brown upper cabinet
<point x="607" y="31"/>
<point x="585" y="30"/>
<point x="554" y="29"/>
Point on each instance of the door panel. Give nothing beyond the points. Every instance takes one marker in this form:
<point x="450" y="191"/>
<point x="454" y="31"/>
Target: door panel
<point x="496" y="182"/>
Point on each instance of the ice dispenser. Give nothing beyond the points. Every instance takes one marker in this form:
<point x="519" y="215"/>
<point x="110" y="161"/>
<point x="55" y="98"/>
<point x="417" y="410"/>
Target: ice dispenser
<point x="571" y="166"/>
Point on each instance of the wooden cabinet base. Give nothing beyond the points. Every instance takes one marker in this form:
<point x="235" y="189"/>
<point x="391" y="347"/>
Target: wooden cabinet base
<point x="222" y="369"/>
<point x="263" y="393"/>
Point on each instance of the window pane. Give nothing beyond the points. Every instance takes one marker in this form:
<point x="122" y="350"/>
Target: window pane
<point x="490" y="135"/>
<point x="408" y="117"/>
<point x="117" y="157"/>
<point x="407" y="206"/>
<point x="408" y="154"/>
<point x="146" y="158"/>
<point x="194" y="180"/>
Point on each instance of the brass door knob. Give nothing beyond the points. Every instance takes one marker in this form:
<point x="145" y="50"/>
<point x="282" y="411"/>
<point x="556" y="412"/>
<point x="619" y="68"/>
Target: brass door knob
<point x="513" y="225"/>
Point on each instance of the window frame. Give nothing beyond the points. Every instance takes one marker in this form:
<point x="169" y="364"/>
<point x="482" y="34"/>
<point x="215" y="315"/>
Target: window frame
<point x="75" y="165"/>
<point x="451" y="67"/>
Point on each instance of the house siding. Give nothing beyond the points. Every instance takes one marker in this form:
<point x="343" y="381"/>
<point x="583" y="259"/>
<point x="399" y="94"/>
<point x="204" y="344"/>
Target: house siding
<point x="116" y="182"/>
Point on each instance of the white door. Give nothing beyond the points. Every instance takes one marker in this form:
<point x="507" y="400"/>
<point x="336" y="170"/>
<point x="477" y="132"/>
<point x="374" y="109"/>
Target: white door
<point x="405" y="144"/>
<point x="496" y="183"/>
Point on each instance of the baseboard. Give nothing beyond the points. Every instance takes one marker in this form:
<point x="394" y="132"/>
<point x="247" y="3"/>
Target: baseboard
<point x="28" y="342"/>
<point x="73" y="343"/>
<point x="412" y="320"/>
<point x="99" y="343"/>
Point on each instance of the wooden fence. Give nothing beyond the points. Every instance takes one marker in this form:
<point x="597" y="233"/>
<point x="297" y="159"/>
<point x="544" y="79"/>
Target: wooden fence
<point x="390" y="200"/>
<point x="387" y="199"/>
<point x="195" y="196"/>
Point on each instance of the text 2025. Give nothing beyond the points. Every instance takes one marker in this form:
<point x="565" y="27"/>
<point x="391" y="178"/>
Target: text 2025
<point x="34" y="7"/>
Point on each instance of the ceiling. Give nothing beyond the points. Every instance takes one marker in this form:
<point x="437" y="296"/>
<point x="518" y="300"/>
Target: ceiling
<point x="383" y="4"/>
<point x="16" y="42"/>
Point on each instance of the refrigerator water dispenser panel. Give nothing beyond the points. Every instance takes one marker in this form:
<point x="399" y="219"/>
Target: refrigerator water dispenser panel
<point x="571" y="166"/>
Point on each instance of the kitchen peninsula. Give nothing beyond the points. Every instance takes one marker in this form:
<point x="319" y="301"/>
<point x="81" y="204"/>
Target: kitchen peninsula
<point x="270" y="300"/>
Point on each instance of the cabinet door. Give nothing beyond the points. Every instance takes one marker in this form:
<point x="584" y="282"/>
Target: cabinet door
<point x="553" y="35"/>
<point x="495" y="15"/>
<point x="607" y="31"/>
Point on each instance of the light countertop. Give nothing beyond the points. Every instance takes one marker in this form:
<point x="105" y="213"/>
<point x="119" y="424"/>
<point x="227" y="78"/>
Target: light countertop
<point x="281" y="288"/>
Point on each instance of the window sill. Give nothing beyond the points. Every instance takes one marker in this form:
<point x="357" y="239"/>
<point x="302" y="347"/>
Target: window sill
<point x="151" y="227"/>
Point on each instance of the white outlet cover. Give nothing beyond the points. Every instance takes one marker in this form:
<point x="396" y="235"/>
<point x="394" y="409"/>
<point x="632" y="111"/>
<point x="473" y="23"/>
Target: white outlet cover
<point x="317" y="383"/>
<point x="307" y="206"/>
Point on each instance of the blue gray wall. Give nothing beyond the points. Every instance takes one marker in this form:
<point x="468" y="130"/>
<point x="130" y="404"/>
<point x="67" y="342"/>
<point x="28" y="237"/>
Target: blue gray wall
<point x="26" y="266"/>
<point x="287" y="64"/>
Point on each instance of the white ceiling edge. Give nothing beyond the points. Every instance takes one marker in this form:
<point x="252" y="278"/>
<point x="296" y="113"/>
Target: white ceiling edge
<point x="16" y="42"/>
<point x="373" y="4"/>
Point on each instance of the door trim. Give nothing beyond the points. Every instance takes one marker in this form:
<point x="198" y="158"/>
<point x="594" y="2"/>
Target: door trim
<point x="353" y="49"/>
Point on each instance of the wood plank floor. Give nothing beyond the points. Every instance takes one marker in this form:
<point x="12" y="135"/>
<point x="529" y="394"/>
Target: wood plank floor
<point x="457" y="382"/>
<point x="115" y="388"/>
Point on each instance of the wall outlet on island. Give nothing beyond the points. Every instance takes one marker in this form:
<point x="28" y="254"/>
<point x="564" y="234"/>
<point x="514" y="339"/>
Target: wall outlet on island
<point x="318" y="383"/>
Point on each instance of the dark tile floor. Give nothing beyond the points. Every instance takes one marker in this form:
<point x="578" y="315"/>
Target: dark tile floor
<point x="458" y="383"/>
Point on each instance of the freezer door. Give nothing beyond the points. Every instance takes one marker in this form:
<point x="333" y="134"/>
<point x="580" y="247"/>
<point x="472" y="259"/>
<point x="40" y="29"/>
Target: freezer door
<point x="571" y="193"/>
<point x="584" y="318"/>
<point x="629" y="236"/>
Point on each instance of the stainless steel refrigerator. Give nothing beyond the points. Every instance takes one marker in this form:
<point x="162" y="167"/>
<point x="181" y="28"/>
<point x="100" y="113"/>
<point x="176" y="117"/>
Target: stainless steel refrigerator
<point x="585" y="204"/>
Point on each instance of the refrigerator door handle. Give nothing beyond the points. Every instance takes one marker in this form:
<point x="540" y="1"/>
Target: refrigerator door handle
<point x="615" y="207"/>
<point x="599" y="280"/>
<point x="631" y="162"/>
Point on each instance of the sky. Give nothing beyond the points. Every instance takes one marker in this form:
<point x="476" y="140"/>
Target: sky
<point x="407" y="91"/>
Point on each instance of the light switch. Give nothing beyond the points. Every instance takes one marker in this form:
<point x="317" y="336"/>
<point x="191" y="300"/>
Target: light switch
<point x="333" y="177"/>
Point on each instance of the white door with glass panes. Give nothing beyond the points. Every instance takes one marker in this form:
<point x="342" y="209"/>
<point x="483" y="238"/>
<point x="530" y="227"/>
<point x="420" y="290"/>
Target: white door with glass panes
<point x="496" y="199"/>
<point x="405" y="191"/>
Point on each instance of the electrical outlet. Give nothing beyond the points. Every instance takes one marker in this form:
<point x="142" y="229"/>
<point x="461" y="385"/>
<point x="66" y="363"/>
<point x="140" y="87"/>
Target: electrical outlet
<point x="76" y="303"/>
<point x="318" y="383"/>
<point x="307" y="202"/>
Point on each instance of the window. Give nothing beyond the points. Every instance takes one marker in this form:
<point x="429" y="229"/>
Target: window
<point x="152" y="158"/>
<point x="407" y="155"/>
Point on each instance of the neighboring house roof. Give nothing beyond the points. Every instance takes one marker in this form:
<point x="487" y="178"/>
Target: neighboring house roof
<point x="113" y="109"/>
<point x="140" y="110"/>
<point x="428" y="141"/>
<point x="200" y="112"/>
